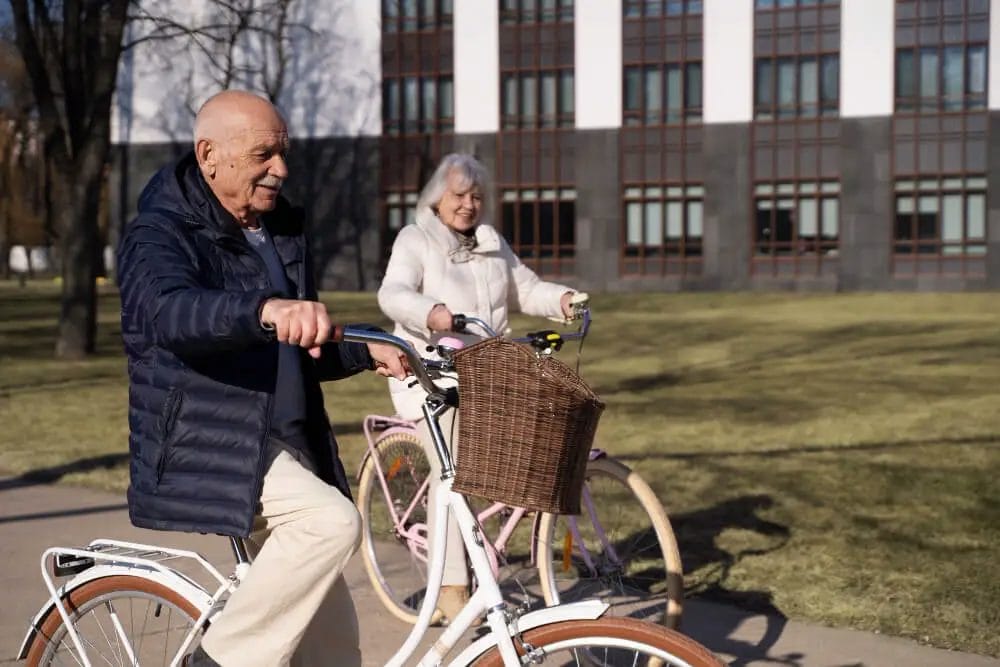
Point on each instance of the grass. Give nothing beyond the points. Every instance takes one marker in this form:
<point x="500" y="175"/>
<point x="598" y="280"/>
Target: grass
<point x="830" y="457"/>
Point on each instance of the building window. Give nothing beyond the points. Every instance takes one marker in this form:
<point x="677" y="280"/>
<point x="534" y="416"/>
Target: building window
<point x="414" y="104"/>
<point x="637" y="8"/>
<point x="400" y="210"/>
<point x="536" y="11"/>
<point x="796" y="220"/>
<point x="414" y="15"/>
<point x="783" y="4"/>
<point x="941" y="216"/>
<point x="797" y="86"/>
<point x="945" y="78"/>
<point x="662" y="228"/>
<point x="537" y="99"/>
<point x="662" y="93"/>
<point x="539" y="224"/>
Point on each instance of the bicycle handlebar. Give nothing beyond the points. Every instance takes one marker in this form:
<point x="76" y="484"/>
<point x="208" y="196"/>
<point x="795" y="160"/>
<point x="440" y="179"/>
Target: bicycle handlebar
<point x="460" y="322"/>
<point x="417" y="365"/>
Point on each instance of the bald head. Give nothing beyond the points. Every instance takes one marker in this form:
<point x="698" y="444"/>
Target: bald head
<point x="230" y="113"/>
<point x="240" y="141"/>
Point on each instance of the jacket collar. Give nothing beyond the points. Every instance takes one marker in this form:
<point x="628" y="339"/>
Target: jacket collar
<point x="487" y="238"/>
<point x="182" y="188"/>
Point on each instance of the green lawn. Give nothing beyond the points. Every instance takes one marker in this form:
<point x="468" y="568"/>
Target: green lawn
<point x="831" y="457"/>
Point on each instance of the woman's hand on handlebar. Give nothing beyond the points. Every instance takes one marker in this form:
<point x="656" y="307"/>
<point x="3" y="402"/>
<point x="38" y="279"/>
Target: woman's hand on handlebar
<point x="573" y="303"/>
<point x="440" y="318"/>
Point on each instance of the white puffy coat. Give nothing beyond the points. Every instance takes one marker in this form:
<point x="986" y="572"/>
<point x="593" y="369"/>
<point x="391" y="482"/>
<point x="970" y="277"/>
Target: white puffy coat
<point x="429" y="266"/>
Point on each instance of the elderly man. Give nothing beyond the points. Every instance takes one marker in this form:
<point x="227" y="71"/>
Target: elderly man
<point x="227" y="344"/>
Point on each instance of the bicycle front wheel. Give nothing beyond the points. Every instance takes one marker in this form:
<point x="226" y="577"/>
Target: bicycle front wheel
<point x="606" y="641"/>
<point x="116" y="617"/>
<point x="394" y="540"/>
<point x="622" y="550"/>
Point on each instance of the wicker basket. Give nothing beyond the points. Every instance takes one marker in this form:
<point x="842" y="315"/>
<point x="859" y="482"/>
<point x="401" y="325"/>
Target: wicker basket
<point x="526" y="425"/>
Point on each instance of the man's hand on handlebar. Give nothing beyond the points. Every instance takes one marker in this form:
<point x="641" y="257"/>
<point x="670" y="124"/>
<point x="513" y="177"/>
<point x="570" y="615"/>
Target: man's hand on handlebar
<point x="296" y="322"/>
<point x="389" y="361"/>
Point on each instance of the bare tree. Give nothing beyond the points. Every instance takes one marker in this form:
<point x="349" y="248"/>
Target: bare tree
<point x="72" y="62"/>
<point x="71" y="51"/>
<point x="21" y="222"/>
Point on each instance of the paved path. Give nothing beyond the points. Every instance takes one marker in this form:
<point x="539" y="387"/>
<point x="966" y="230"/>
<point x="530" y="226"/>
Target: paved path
<point x="33" y="516"/>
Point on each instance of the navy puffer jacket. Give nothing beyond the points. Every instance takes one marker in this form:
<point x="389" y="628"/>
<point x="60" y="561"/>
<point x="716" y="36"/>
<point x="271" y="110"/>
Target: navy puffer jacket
<point x="201" y="368"/>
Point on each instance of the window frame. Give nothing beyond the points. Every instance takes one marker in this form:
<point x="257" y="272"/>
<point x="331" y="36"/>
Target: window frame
<point x="558" y="256"/>
<point x="918" y="253"/>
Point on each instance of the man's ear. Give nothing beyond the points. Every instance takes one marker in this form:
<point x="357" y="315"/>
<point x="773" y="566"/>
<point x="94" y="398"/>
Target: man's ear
<point x="207" y="155"/>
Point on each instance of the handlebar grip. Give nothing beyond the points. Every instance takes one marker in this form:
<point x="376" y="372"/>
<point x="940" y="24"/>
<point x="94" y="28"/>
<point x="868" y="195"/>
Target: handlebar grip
<point x="458" y="322"/>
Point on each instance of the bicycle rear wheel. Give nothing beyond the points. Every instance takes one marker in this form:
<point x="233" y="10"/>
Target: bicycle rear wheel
<point x="396" y="563"/>
<point x="634" y="563"/>
<point x="607" y="641"/>
<point x="113" y="616"/>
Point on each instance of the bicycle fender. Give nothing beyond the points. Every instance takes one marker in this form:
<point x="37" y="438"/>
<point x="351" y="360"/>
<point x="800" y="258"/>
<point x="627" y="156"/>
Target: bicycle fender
<point x="189" y="589"/>
<point x="584" y="610"/>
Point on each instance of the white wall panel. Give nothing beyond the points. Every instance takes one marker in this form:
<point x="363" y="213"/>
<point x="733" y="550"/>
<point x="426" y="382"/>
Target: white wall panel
<point x="477" y="66"/>
<point x="598" y="76"/>
<point x="728" y="61"/>
<point x="331" y="84"/>
<point x="867" y="57"/>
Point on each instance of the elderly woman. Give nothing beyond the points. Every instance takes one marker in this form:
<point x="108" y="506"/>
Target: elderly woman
<point x="453" y="261"/>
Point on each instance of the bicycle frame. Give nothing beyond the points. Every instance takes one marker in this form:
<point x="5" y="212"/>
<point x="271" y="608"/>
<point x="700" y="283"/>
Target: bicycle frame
<point x="112" y="557"/>
<point x="415" y="533"/>
<point x="487" y="598"/>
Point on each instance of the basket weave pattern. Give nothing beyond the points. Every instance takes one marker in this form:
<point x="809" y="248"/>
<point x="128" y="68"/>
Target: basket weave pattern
<point x="526" y="425"/>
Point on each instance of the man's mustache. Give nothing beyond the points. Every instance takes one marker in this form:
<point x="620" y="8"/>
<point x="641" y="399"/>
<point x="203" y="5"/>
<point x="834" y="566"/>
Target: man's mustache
<point x="271" y="182"/>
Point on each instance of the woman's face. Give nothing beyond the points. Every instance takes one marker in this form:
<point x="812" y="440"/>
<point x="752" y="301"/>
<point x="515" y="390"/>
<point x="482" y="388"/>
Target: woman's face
<point x="461" y="204"/>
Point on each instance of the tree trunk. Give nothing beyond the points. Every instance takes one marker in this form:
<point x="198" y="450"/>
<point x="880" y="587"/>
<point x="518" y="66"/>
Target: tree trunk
<point x="74" y="198"/>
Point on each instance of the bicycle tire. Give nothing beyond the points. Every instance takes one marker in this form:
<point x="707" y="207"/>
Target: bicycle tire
<point x="649" y="584"/>
<point x="88" y="603"/>
<point x="607" y="641"/>
<point x="398" y="575"/>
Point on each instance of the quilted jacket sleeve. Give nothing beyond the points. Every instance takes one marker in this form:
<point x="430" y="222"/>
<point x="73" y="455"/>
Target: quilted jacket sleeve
<point x="163" y="296"/>
<point x="400" y="297"/>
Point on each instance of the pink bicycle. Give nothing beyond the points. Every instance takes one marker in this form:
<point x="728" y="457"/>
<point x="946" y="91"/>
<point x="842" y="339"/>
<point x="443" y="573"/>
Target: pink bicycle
<point x="621" y="548"/>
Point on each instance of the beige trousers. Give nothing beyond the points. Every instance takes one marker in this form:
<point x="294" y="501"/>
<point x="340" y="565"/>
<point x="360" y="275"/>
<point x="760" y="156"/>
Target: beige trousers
<point x="293" y="607"/>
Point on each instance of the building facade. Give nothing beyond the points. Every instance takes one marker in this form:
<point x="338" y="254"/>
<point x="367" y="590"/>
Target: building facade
<point x="659" y="144"/>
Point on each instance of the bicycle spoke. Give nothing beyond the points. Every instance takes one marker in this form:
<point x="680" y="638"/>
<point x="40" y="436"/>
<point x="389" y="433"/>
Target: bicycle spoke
<point x="119" y="627"/>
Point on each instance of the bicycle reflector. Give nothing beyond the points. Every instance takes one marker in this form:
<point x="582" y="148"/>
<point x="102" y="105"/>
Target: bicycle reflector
<point x="66" y="564"/>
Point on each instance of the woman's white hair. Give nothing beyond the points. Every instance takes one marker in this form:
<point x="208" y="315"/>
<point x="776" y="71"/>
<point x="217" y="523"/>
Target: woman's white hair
<point x="471" y="172"/>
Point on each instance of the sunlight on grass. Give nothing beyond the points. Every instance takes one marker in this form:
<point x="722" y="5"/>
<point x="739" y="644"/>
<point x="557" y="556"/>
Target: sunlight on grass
<point x="830" y="457"/>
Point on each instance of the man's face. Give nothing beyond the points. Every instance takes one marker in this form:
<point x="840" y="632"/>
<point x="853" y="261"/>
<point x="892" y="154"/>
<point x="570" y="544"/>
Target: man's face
<point x="251" y="171"/>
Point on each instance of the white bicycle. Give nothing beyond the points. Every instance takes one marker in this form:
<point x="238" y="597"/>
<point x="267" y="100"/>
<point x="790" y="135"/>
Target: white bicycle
<point x="130" y="604"/>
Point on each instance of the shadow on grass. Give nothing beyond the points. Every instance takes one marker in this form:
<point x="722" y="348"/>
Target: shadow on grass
<point x="697" y="535"/>
<point x="986" y="439"/>
<point x="56" y="473"/>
